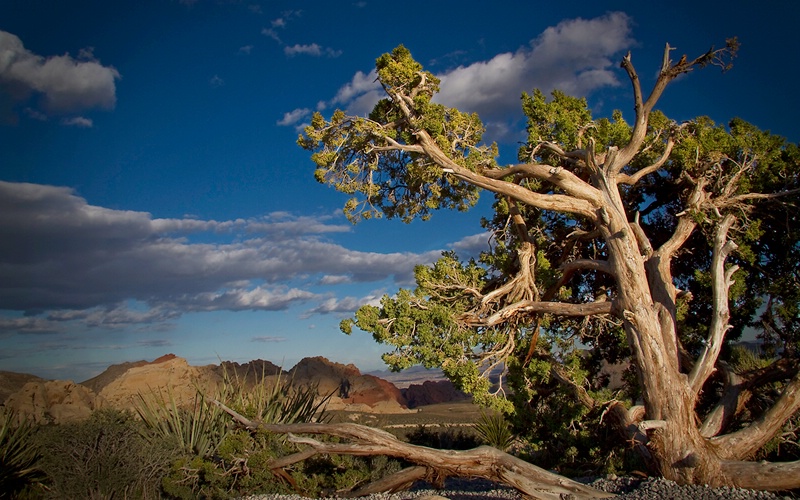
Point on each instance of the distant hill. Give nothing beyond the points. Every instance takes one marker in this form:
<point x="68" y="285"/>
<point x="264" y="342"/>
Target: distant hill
<point x="171" y="376"/>
<point x="414" y="375"/>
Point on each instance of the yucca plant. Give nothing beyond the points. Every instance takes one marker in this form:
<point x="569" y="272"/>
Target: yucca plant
<point x="198" y="429"/>
<point x="19" y="459"/>
<point x="275" y="401"/>
<point x="494" y="430"/>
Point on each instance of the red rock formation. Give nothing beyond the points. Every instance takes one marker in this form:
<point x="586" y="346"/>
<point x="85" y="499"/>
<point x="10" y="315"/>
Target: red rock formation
<point x="365" y="391"/>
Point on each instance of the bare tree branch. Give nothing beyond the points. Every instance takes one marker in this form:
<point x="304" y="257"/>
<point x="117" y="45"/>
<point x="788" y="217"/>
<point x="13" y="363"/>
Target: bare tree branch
<point x="748" y="440"/>
<point x="721" y="281"/>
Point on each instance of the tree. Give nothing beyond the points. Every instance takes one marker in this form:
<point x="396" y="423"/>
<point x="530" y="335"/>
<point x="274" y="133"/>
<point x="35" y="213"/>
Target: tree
<point x="669" y="237"/>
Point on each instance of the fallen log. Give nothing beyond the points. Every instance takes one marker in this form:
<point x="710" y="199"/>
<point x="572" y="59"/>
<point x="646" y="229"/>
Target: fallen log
<point x="431" y="464"/>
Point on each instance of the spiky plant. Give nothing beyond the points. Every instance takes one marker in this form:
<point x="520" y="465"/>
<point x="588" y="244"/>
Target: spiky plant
<point x="494" y="430"/>
<point x="277" y="401"/>
<point x="198" y="429"/>
<point x="19" y="459"/>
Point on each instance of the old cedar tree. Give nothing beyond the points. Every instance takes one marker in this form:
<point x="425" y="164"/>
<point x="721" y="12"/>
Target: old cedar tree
<point x="651" y="229"/>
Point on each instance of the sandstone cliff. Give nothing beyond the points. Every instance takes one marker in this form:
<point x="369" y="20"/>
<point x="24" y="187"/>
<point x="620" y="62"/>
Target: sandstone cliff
<point x="54" y="401"/>
<point x="170" y="376"/>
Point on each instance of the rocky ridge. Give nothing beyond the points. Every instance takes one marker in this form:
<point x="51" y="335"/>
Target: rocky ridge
<point x="171" y="377"/>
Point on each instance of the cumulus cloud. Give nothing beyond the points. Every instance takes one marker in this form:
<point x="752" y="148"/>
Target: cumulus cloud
<point x="344" y="306"/>
<point x="57" y="84"/>
<point x="472" y="246"/>
<point x="66" y="262"/>
<point x="577" y="56"/>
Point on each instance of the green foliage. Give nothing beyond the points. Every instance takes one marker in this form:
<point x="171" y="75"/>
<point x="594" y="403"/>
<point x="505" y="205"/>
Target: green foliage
<point x="219" y="460"/>
<point x="495" y="431"/>
<point x="105" y="456"/>
<point x="447" y="438"/>
<point x="238" y="468"/>
<point x="351" y="152"/>
<point x="198" y="429"/>
<point x="19" y="458"/>
<point x="559" y="121"/>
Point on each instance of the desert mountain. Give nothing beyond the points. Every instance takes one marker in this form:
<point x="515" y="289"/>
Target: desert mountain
<point x="171" y="376"/>
<point x="349" y="388"/>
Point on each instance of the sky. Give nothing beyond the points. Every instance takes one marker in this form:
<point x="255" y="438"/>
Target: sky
<point x="153" y="199"/>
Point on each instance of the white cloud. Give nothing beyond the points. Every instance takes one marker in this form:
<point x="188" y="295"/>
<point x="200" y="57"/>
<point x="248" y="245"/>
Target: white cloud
<point x="65" y="262"/>
<point x="358" y="96"/>
<point x="78" y="121"/>
<point x="577" y="56"/>
<point x="294" y="116"/>
<point x="64" y="83"/>
<point x="472" y="246"/>
<point x="345" y="306"/>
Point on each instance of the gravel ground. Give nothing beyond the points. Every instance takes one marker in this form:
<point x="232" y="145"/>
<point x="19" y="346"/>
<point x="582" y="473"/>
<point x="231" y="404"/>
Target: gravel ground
<point x="625" y="487"/>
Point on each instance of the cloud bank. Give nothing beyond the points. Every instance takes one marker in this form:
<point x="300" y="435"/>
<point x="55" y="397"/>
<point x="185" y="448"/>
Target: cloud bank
<point x="63" y="260"/>
<point x="577" y="56"/>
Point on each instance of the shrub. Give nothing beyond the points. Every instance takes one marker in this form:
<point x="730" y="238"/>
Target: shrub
<point x="104" y="456"/>
<point x="19" y="459"/>
<point x="220" y="460"/>
<point x="449" y="438"/>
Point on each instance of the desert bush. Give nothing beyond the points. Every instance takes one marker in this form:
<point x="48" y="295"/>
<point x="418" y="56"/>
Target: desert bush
<point x="334" y="475"/>
<point x="104" y="456"/>
<point x="220" y="460"/>
<point x="19" y="459"/>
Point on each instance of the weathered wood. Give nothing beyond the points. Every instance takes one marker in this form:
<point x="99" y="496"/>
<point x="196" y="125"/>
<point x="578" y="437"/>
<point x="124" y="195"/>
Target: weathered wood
<point x="482" y="462"/>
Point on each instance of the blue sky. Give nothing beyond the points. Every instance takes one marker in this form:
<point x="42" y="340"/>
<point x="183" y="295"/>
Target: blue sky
<point x="153" y="199"/>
